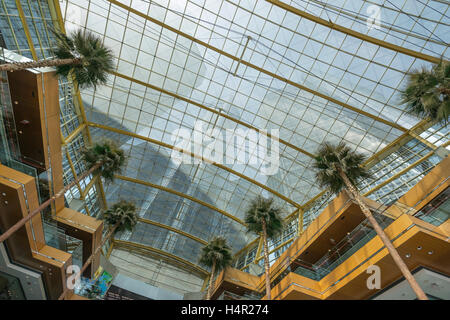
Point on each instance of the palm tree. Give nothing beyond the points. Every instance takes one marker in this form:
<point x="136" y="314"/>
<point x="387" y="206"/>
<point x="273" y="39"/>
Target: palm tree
<point x="81" y="53"/>
<point x="103" y="158"/>
<point x="428" y="92"/>
<point x="217" y="256"/>
<point x="263" y="218"/>
<point x="120" y="216"/>
<point x="339" y="168"/>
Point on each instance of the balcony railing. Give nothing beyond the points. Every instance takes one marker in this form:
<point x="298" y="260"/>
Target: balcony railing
<point x="226" y="295"/>
<point x="351" y="243"/>
<point x="436" y="212"/>
<point x="57" y="238"/>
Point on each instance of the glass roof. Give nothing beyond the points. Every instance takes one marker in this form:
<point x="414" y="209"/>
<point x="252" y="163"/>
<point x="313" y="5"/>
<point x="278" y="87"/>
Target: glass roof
<point x="242" y="65"/>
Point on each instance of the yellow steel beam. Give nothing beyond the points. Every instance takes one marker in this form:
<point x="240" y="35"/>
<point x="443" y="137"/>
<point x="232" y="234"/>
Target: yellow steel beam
<point x="7" y="17"/>
<point x="55" y="12"/>
<point x="163" y="226"/>
<point x="398" y="174"/>
<point x="353" y="33"/>
<point x="128" y="244"/>
<point x="90" y="185"/>
<point x="305" y="206"/>
<point x="26" y="29"/>
<point x="397" y="143"/>
<point x="418" y="129"/>
<point x="110" y="249"/>
<point x="424" y="141"/>
<point x="248" y="64"/>
<point x="188" y="152"/>
<point x="43" y="13"/>
<point x="74" y="134"/>
<point x="275" y="249"/>
<point x="180" y="194"/>
<point x="205" y="283"/>
<point x="247" y="247"/>
<point x="258" y="250"/>
<point x="177" y="96"/>
<point x="33" y="23"/>
<point x="300" y="222"/>
<point x="75" y="176"/>
<point x="102" y="193"/>
<point x="72" y="168"/>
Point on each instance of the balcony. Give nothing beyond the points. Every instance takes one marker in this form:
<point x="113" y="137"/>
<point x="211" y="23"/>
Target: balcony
<point x="233" y="281"/>
<point x="437" y="211"/>
<point x="421" y="245"/>
<point x="336" y="255"/>
<point x="227" y="295"/>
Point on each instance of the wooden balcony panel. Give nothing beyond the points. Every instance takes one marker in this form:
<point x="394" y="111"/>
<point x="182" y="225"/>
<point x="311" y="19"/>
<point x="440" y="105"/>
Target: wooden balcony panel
<point x="18" y="194"/>
<point x="85" y="228"/>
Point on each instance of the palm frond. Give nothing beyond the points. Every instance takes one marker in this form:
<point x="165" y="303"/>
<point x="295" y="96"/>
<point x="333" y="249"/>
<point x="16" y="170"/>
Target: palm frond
<point x="106" y="153"/>
<point x="264" y="209"/>
<point x="427" y="93"/>
<point x="330" y="158"/>
<point x="218" y="251"/>
<point x="122" y="212"/>
<point x="96" y="59"/>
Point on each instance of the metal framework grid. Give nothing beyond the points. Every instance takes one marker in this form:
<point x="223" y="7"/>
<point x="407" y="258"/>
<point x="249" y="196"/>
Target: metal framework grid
<point x="217" y="63"/>
<point x="250" y="65"/>
<point x="26" y="26"/>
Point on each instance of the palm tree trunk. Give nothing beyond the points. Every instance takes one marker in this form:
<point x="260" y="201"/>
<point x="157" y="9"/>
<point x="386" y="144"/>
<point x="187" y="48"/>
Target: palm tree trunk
<point x="211" y="281"/>
<point x="91" y="257"/>
<point x="15" y="66"/>
<point x="384" y="238"/>
<point x="45" y="204"/>
<point x="266" y="260"/>
<point x="445" y="91"/>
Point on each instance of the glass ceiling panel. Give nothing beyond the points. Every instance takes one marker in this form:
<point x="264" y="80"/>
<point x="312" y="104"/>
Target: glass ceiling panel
<point x="151" y="163"/>
<point x="266" y="50"/>
<point x="415" y="24"/>
<point x="248" y="62"/>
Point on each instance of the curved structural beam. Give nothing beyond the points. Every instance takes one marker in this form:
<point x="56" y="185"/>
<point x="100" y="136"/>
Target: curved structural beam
<point x="248" y="64"/>
<point x="176" y="96"/>
<point x="180" y="194"/>
<point x="354" y="33"/>
<point x="131" y="245"/>
<point x="221" y="166"/>
<point x="56" y="14"/>
<point x="163" y="226"/>
<point x="26" y="30"/>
